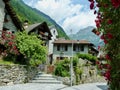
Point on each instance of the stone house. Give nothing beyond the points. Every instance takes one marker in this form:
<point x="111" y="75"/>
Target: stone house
<point x="8" y="18"/>
<point x="66" y="48"/>
<point x="40" y="29"/>
<point x="11" y="23"/>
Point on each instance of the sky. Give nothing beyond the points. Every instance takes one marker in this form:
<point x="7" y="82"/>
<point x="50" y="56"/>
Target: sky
<point x="69" y="14"/>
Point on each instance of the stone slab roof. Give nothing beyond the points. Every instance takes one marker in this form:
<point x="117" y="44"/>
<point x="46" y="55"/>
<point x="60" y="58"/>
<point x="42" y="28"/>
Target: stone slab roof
<point x="62" y="41"/>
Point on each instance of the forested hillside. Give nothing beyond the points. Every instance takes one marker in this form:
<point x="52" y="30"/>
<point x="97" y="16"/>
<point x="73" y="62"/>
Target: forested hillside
<point x="25" y="12"/>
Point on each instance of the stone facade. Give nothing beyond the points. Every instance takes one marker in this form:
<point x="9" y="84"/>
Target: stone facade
<point x="85" y="78"/>
<point x="89" y="74"/>
<point x="10" y="25"/>
<point x="16" y="74"/>
<point x="2" y="14"/>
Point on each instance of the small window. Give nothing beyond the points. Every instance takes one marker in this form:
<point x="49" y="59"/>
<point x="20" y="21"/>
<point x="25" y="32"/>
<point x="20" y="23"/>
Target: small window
<point x="82" y="47"/>
<point x="66" y="48"/>
<point x="61" y="58"/>
<point x="54" y="32"/>
<point x="74" y="47"/>
<point x="13" y="32"/>
<point x="58" y="47"/>
<point x="58" y="58"/>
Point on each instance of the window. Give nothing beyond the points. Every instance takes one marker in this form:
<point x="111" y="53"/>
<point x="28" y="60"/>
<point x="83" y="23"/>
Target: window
<point x="61" y="58"/>
<point x="57" y="58"/>
<point x="82" y="47"/>
<point x="66" y="48"/>
<point x="58" y="47"/>
<point x="74" y="47"/>
<point x="54" y="32"/>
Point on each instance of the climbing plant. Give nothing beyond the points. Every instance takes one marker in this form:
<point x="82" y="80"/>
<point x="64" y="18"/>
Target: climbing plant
<point x="108" y="24"/>
<point x="31" y="47"/>
<point x="24" y="46"/>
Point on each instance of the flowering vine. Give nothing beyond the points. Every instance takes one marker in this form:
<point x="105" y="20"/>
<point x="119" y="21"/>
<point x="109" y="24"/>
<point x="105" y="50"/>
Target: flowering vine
<point x="8" y="41"/>
<point x="108" y="23"/>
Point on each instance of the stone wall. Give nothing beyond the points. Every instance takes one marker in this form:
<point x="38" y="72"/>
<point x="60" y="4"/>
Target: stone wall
<point x="2" y="13"/>
<point x="89" y="75"/>
<point x="16" y="74"/>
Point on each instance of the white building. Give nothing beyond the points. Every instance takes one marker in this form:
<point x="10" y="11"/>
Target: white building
<point x="66" y="48"/>
<point x="53" y="38"/>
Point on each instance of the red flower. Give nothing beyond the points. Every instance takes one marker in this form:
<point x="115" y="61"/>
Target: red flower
<point x="115" y="3"/>
<point x="107" y="57"/>
<point x="105" y="41"/>
<point x="109" y="35"/>
<point x="14" y="47"/>
<point x="10" y="43"/>
<point x="107" y="75"/>
<point x="98" y="47"/>
<point x="98" y="5"/>
<point x="102" y="37"/>
<point x="97" y="62"/>
<point x="100" y="67"/>
<point x="109" y="21"/>
<point x="97" y="23"/>
<point x="95" y="12"/>
<point x="90" y="0"/>
<point x="108" y="66"/>
<point x="92" y="5"/>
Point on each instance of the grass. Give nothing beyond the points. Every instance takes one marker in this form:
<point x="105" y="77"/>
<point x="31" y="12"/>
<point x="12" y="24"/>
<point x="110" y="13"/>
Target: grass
<point x="6" y="62"/>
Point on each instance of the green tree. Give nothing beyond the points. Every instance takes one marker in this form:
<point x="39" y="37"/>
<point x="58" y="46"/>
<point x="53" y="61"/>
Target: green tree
<point x="31" y="47"/>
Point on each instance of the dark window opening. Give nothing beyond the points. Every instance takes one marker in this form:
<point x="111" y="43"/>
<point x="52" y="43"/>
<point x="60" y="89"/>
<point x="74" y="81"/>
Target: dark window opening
<point x="66" y="48"/>
<point x="82" y="48"/>
<point x="74" y="47"/>
<point x="61" y="58"/>
<point x="58" y="47"/>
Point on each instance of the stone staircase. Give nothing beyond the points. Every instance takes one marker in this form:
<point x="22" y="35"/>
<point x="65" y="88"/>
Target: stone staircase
<point x="43" y="78"/>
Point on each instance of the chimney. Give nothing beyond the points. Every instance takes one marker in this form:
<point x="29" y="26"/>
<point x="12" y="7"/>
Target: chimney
<point x="25" y="25"/>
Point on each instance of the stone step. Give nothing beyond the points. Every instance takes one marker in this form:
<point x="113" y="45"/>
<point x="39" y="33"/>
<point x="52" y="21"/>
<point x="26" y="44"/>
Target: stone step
<point x="44" y="78"/>
<point x="46" y="81"/>
<point x="44" y="75"/>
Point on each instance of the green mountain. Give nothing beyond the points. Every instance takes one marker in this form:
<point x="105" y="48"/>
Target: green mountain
<point x="25" y="12"/>
<point x="87" y="34"/>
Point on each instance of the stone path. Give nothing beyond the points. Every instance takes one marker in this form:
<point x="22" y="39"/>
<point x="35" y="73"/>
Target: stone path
<point x="37" y="86"/>
<point x="89" y="86"/>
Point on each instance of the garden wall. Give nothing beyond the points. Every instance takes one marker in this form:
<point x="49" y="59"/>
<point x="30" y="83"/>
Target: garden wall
<point x="89" y="75"/>
<point x="16" y="74"/>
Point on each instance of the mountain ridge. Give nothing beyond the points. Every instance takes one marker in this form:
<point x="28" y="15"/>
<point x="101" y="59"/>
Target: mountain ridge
<point x="25" y="12"/>
<point x="87" y="34"/>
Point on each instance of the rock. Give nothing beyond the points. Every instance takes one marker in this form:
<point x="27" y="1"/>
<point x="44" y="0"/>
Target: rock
<point x="10" y="83"/>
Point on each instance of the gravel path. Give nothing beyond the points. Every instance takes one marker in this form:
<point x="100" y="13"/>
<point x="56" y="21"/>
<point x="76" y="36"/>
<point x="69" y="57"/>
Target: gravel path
<point x="36" y="86"/>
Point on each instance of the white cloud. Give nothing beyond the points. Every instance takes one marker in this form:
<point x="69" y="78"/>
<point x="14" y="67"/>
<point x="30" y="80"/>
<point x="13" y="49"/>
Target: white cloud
<point x="65" y="13"/>
<point x="81" y="20"/>
<point x="58" y="9"/>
